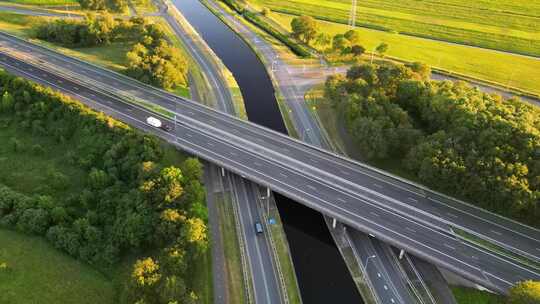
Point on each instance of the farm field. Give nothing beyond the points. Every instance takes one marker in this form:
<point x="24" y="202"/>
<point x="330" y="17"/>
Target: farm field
<point x="54" y="276"/>
<point x="507" y="69"/>
<point x="503" y="25"/>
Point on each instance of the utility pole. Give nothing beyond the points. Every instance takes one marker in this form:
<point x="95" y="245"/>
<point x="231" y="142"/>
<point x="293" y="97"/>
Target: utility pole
<point x="352" y="15"/>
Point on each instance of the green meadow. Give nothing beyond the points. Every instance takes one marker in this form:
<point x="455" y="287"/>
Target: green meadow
<point x="503" y="25"/>
<point x="507" y="69"/>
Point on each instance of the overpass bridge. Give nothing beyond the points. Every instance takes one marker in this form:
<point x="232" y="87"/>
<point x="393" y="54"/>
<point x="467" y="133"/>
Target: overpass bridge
<point x="401" y="213"/>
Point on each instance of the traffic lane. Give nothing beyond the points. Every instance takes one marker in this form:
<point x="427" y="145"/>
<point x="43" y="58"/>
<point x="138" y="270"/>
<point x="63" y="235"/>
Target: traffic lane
<point x="506" y="239"/>
<point x="374" y="268"/>
<point x="393" y="271"/>
<point x="252" y="250"/>
<point x="185" y="144"/>
<point x="265" y="253"/>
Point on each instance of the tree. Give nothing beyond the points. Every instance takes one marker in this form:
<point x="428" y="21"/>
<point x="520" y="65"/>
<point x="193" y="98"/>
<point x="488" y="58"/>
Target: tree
<point x="323" y="40"/>
<point x="7" y="102"/>
<point x="192" y="169"/>
<point x="357" y="50"/>
<point x="527" y="292"/>
<point x="382" y="48"/>
<point x="265" y="11"/>
<point x="146" y="272"/>
<point x="340" y="43"/>
<point x="423" y="70"/>
<point x="352" y="36"/>
<point x="304" y="28"/>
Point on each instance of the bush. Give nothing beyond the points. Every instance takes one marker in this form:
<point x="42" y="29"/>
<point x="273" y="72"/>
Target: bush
<point x="527" y="292"/>
<point x="38" y="149"/>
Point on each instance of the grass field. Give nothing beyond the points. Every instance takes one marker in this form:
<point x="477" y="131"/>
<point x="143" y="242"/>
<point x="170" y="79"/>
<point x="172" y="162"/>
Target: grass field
<point x="504" y="25"/>
<point x="38" y="273"/>
<point x="507" y="69"/>
<point x="44" y="2"/>
<point x="465" y="295"/>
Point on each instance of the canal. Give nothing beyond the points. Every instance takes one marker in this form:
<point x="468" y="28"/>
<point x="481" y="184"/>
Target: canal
<point x="322" y="275"/>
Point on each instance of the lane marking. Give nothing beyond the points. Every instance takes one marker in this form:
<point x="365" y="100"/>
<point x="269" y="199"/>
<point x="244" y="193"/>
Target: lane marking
<point x="496" y="232"/>
<point x="341" y="200"/>
<point x="311" y="187"/>
<point x="210" y="144"/>
<point x="448" y="246"/>
<point x="412" y="199"/>
<point x="410" y="229"/>
<point x="373" y="213"/>
<point x="258" y="164"/>
<point x="189" y="135"/>
<point x="378" y="186"/>
<point x="451" y="215"/>
<point x="283" y="174"/>
<point x="345" y="172"/>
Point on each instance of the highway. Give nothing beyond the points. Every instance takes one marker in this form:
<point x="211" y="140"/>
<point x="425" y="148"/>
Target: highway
<point x="265" y="281"/>
<point x="261" y="267"/>
<point x="293" y="86"/>
<point x="211" y="136"/>
<point x="377" y="263"/>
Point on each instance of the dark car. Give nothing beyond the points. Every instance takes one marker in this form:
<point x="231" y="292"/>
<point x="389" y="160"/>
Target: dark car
<point x="166" y="128"/>
<point x="258" y="228"/>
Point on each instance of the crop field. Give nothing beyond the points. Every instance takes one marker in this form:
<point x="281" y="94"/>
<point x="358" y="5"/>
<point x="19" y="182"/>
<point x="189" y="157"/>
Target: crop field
<point x="507" y="69"/>
<point x="503" y="25"/>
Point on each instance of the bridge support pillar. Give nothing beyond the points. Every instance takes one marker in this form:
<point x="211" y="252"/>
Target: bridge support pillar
<point x="401" y="253"/>
<point x="222" y="172"/>
<point x="334" y="223"/>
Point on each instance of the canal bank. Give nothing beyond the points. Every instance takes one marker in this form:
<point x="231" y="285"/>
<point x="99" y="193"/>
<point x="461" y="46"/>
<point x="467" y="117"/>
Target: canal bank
<point x="321" y="273"/>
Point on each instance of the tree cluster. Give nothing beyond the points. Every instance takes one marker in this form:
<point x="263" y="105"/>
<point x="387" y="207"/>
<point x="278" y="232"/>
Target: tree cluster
<point x="155" y="61"/>
<point x="131" y="201"/>
<point x="93" y="30"/>
<point x="152" y="59"/>
<point x="527" y="292"/>
<point x="110" y="5"/>
<point x="452" y="137"/>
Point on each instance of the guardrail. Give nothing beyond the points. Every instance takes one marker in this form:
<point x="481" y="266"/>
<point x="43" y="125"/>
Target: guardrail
<point x="374" y="296"/>
<point x="275" y="256"/>
<point x="241" y="237"/>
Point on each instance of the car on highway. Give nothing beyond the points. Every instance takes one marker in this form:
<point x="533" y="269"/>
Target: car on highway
<point x="154" y="122"/>
<point x="258" y="228"/>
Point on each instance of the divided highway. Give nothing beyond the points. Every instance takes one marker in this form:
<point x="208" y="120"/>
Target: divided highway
<point x="392" y="210"/>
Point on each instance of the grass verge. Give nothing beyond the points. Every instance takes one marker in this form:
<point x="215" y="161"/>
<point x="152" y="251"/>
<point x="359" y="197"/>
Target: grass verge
<point x="233" y="263"/>
<point x="466" y="295"/>
<point x="38" y="273"/>
<point x="492" y="247"/>
<point x="284" y="256"/>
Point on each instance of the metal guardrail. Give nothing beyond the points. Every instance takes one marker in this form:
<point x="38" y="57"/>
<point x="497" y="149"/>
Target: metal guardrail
<point x="375" y="296"/>
<point x="241" y="237"/>
<point x="275" y="256"/>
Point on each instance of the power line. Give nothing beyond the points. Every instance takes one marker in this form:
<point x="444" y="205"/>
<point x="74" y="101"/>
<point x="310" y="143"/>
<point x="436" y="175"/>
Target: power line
<point x="352" y="15"/>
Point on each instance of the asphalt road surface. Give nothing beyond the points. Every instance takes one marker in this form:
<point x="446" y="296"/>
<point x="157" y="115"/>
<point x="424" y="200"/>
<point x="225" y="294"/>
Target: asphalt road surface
<point x="306" y="174"/>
